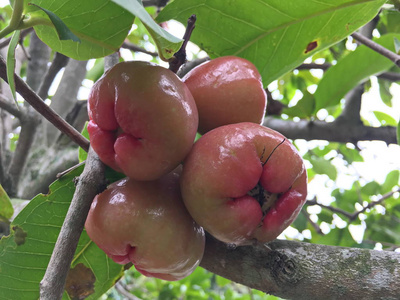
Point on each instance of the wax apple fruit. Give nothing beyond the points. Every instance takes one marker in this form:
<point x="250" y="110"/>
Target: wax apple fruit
<point x="244" y="182"/>
<point x="143" y="119"/>
<point x="146" y="223"/>
<point x="227" y="90"/>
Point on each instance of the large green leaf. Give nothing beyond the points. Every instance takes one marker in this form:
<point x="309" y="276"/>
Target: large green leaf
<point x="25" y="253"/>
<point x="101" y="25"/>
<point x="167" y="44"/>
<point x="275" y="35"/>
<point x="352" y="70"/>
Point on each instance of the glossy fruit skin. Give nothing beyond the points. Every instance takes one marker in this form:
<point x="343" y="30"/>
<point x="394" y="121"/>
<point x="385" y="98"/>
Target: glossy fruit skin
<point x="146" y="223"/>
<point x="227" y="90"/>
<point x="143" y="119"/>
<point x="228" y="162"/>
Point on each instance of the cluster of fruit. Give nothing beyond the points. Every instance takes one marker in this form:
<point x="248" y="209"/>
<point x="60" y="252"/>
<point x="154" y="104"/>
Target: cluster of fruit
<point x="241" y="182"/>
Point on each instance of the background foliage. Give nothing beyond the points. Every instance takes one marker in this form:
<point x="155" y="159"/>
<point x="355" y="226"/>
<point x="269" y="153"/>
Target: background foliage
<point x="308" y="63"/>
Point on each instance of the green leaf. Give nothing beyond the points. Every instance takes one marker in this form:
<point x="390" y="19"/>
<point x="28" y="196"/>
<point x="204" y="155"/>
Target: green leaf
<point x="167" y="44"/>
<point x="336" y="237"/>
<point x="323" y="166"/>
<point x="62" y="30"/>
<point x="101" y="25"/>
<point x="351" y="70"/>
<point x="11" y="63"/>
<point x="371" y="188"/>
<point x="82" y="154"/>
<point x="397" y="45"/>
<point x="6" y="208"/>
<point x="385" y="119"/>
<point x="346" y="200"/>
<point x="384" y="90"/>
<point x="300" y="223"/>
<point x="350" y="155"/>
<point x="391" y="180"/>
<point x="304" y="108"/>
<point x="25" y="253"/>
<point x="275" y="35"/>
<point x="398" y="133"/>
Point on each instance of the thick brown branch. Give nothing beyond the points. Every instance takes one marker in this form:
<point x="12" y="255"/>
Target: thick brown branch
<point x="294" y="270"/>
<point x="37" y="103"/>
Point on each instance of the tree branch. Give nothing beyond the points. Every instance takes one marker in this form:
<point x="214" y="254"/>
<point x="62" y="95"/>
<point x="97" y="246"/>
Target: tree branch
<point x="135" y="48"/>
<point x="294" y="270"/>
<point x="10" y="107"/>
<point x="91" y="182"/>
<point x="395" y="58"/>
<point x="374" y="203"/>
<point x="333" y="132"/>
<point x="66" y="95"/>
<point x="351" y="111"/>
<point x="24" y="33"/>
<point x="59" y="62"/>
<point x="37" y="103"/>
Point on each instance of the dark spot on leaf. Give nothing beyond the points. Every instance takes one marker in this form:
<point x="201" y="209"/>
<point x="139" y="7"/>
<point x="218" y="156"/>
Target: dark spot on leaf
<point x="80" y="282"/>
<point x="311" y="46"/>
<point x="19" y="235"/>
<point x="168" y="51"/>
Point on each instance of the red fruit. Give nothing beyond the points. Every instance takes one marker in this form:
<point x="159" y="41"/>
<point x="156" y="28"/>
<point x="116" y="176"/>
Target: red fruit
<point x="244" y="182"/>
<point x="227" y="90"/>
<point x="143" y="119"/>
<point x="147" y="224"/>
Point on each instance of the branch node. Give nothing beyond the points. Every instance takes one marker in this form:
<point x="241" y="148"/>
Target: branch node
<point x="180" y="57"/>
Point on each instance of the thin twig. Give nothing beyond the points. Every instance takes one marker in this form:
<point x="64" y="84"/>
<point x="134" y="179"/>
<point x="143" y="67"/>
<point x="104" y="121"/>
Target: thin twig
<point x="310" y="66"/>
<point x="313" y="224"/>
<point x="10" y="107"/>
<point x="331" y="208"/>
<point x="135" y="48"/>
<point x="24" y="33"/>
<point x="180" y="56"/>
<point x="378" y="48"/>
<point x="37" y="103"/>
<point x="61" y="174"/>
<point x="374" y="203"/>
<point x="122" y="290"/>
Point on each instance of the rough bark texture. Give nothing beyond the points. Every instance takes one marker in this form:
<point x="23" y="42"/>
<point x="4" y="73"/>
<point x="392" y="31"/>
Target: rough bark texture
<point x="294" y="270"/>
<point x="91" y="182"/>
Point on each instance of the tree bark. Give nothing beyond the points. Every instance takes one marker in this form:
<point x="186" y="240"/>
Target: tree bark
<point x="295" y="270"/>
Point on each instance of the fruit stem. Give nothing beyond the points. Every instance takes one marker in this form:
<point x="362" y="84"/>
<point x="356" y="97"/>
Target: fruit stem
<point x="180" y="56"/>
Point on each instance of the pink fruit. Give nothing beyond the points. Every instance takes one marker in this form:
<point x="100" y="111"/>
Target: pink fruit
<point x="146" y="223"/>
<point x="143" y="119"/>
<point x="244" y="182"/>
<point x="227" y="90"/>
